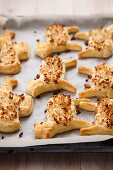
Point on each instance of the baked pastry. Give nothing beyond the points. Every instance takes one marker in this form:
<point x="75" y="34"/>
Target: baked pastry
<point x="11" y="53"/>
<point x="57" y="41"/>
<point x="60" y="116"/>
<point x="52" y="74"/>
<point x="101" y="82"/>
<point x="12" y="106"/>
<point x="99" y="42"/>
<point x="103" y="117"/>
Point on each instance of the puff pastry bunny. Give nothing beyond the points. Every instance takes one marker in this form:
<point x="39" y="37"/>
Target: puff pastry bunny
<point x="99" y="42"/>
<point x="11" y="53"/>
<point x="57" y="41"/>
<point x="60" y="117"/>
<point x="103" y="117"/>
<point x="52" y="74"/>
<point x="12" y="106"/>
<point x="101" y="82"/>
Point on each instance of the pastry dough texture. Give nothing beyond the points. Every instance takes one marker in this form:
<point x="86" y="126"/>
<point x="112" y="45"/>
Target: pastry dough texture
<point x="52" y="74"/>
<point x="57" y="40"/>
<point x="11" y="53"/>
<point x="101" y="82"/>
<point x="12" y="106"/>
<point x="103" y="117"/>
<point x="99" y="42"/>
<point x="60" y="116"/>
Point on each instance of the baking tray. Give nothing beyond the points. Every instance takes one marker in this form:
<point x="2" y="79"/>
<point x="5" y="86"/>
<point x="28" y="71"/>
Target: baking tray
<point x="103" y="146"/>
<point x="88" y="144"/>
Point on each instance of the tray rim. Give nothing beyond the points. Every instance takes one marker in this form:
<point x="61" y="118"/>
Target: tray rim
<point x="93" y="147"/>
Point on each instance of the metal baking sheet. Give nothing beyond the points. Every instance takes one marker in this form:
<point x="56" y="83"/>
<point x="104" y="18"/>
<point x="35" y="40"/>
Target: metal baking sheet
<point x="29" y="29"/>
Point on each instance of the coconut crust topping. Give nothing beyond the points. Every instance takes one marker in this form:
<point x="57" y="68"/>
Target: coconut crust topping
<point x="104" y="112"/>
<point x="103" y="75"/>
<point x="9" y="105"/>
<point x="8" y="53"/>
<point x="60" y="109"/>
<point x="57" y="35"/>
<point x="52" y="69"/>
<point x="100" y="39"/>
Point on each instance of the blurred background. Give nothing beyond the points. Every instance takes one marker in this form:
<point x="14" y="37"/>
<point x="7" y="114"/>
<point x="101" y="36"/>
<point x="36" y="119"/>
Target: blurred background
<point x="69" y="7"/>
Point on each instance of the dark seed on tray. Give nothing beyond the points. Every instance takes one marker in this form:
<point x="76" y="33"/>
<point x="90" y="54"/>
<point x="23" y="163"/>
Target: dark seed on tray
<point x="58" y="53"/>
<point x="2" y="137"/>
<point x="45" y="111"/>
<point x="73" y="37"/>
<point x="86" y="42"/>
<point x="56" y="92"/>
<point x="38" y="96"/>
<point x="38" y="40"/>
<point x="77" y="110"/>
<point x="89" y="77"/>
<point x="20" y="134"/>
<point x="86" y="80"/>
<point x="67" y="51"/>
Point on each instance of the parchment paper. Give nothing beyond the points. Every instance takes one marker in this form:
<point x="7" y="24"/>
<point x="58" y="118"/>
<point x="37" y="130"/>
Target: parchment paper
<point x="29" y="29"/>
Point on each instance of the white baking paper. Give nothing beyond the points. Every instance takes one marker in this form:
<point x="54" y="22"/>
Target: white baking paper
<point x="29" y="29"/>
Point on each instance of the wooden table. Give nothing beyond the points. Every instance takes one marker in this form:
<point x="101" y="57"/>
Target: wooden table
<point x="59" y="161"/>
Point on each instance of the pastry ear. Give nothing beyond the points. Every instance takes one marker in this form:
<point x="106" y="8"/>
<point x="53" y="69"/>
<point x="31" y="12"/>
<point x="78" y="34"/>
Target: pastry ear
<point x="67" y="86"/>
<point x="8" y="84"/>
<point x="88" y="93"/>
<point x="82" y="36"/>
<point x="72" y="29"/>
<point x="86" y="70"/>
<point x="96" y="130"/>
<point x="89" y="106"/>
<point x="73" y="46"/>
<point x="89" y="53"/>
<point x="78" y="101"/>
<point x="70" y="63"/>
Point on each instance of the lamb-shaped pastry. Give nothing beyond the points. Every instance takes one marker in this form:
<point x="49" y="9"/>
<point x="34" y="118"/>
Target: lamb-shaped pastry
<point x="99" y="42"/>
<point x="52" y="74"/>
<point x="60" y="116"/>
<point x="12" y="106"/>
<point x="103" y="117"/>
<point x="57" y="40"/>
<point x="11" y="53"/>
<point x="101" y="82"/>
